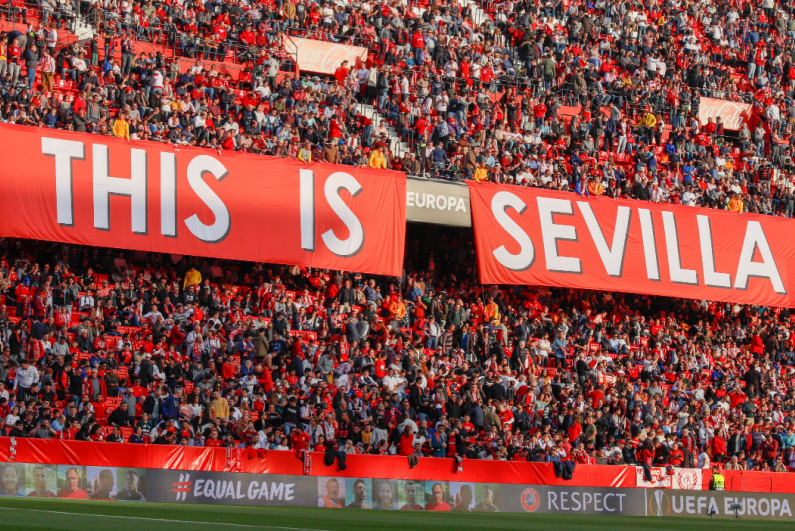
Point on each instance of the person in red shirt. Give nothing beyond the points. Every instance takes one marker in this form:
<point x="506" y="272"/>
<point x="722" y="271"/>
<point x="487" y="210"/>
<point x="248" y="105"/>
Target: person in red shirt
<point x="341" y="73"/>
<point x="417" y="44"/>
<point x="299" y="440"/>
<point x="539" y="111"/>
<point x="407" y="441"/>
<point x="213" y="441"/>
<point x="647" y="458"/>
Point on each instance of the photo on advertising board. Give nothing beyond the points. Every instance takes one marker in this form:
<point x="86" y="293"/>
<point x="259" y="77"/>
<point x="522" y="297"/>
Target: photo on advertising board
<point x="358" y="494"/>
<point x="40" y="481"/>
<point x="331" y="493"/>
<point x="463" y="496"/>
<point x="102" y="482"/>
<point x="411" y="495"/>
<point x="487" y="497"/>
<point x="385" y="494"/>
<point x="437" y="496"/>
<point x="72" y="482"/>
<point x="13" y="480"/>
<point x="132" y="484"/>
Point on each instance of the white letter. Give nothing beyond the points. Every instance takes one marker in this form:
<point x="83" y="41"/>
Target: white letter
<point x="252" y="490"/>
<point x="524" y="259"/>
<point x="220" y="228"/>
<point x="712" y="278"/>
<point x="209" y="489"/>
<point x="289" y="492"/>
<point x="547" y="208"/>
<point x="552" y="496"/>
<point x="355" y="241"/>
<point x="587" y="500"/>
<point x="197" y="487"/>
<point x="612" y="258"/>
<point x="277" y="491"/>
<point x="63" y="151"/>
<point x="755" y="237"/>
<point x="168" y="194"/>
<point x="649" y="244"/>
<point x="307" y="191"/>
<point x="678" y="274"/>
<point x="134" y="188"/>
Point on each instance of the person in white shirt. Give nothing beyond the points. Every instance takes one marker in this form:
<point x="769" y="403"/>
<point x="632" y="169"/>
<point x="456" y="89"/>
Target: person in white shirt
<point x="703" y="459"/>
<point x="87" y="302"/>
<point x="392" y="380"/>
<point x="27" y="375"/>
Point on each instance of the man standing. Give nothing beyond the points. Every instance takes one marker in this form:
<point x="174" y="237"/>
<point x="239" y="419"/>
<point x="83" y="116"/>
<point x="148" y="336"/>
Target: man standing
<point x="718" y="482"/>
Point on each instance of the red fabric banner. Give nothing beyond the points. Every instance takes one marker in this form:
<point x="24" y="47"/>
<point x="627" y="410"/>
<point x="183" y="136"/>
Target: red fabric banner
<point x="367" y="466"/>
<point x="321" y="56"/>
<point x="533" y="236"/>
<point x="733" y="114"/>
<point x="361" y="466"/>
<point x="103" y="191"/>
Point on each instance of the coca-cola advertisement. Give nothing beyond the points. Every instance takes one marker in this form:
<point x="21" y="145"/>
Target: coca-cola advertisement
<point x="322" y="57"/>
<point x="732" y="113"/>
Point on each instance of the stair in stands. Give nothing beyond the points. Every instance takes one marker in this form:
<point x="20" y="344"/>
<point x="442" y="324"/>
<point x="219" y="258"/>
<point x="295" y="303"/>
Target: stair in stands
<point x="478" y="15"/>
<point x="396" y="145"/>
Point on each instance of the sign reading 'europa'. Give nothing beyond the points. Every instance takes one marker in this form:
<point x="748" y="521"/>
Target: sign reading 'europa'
<point x="535" y="236"/>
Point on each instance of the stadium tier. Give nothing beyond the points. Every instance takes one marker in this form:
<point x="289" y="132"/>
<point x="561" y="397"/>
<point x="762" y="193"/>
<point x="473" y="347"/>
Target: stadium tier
<point x="205" y="205"/>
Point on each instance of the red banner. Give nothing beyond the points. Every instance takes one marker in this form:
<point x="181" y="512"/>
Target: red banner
<point x="539" y="237"/>
<point x="732" y="113"/>
<point x="321" y="56"/>
<point x="364" y="466"/>
<point x="103" y="191"/>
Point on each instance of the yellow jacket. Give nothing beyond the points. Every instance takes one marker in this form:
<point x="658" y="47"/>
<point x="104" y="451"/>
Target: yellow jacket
<point x="481" y="175"/>
<point x="377" y="160"/>
<point x="219" y="408"/>
<point x="649" y="120"/>
<point x="735" y="204"/>
<point x="121" y="128"/>
<point x="305" y="155"/>
<point x="192" y="278"/>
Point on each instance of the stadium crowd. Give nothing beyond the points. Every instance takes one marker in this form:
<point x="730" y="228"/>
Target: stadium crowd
<point x="482" y="101"/>
<point x="139" y="348"/>
<point x="129" y="347"/>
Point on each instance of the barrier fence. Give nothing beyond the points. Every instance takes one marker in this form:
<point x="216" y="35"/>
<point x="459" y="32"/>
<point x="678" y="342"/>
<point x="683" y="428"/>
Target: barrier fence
<point x="75" y="481"/>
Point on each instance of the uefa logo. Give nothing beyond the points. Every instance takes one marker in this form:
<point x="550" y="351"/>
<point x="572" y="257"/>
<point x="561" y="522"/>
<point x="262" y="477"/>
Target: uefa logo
<point x="530" y="499"/>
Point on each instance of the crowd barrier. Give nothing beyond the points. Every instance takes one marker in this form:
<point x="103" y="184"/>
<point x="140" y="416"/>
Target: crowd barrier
<point x="175" y="474"/>
<point x="76" y="481"/>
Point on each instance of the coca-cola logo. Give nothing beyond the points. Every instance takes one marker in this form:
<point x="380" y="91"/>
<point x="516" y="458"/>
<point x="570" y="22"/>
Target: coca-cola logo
<point x="732" y="114"/>
<point x="323" y="57"/>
